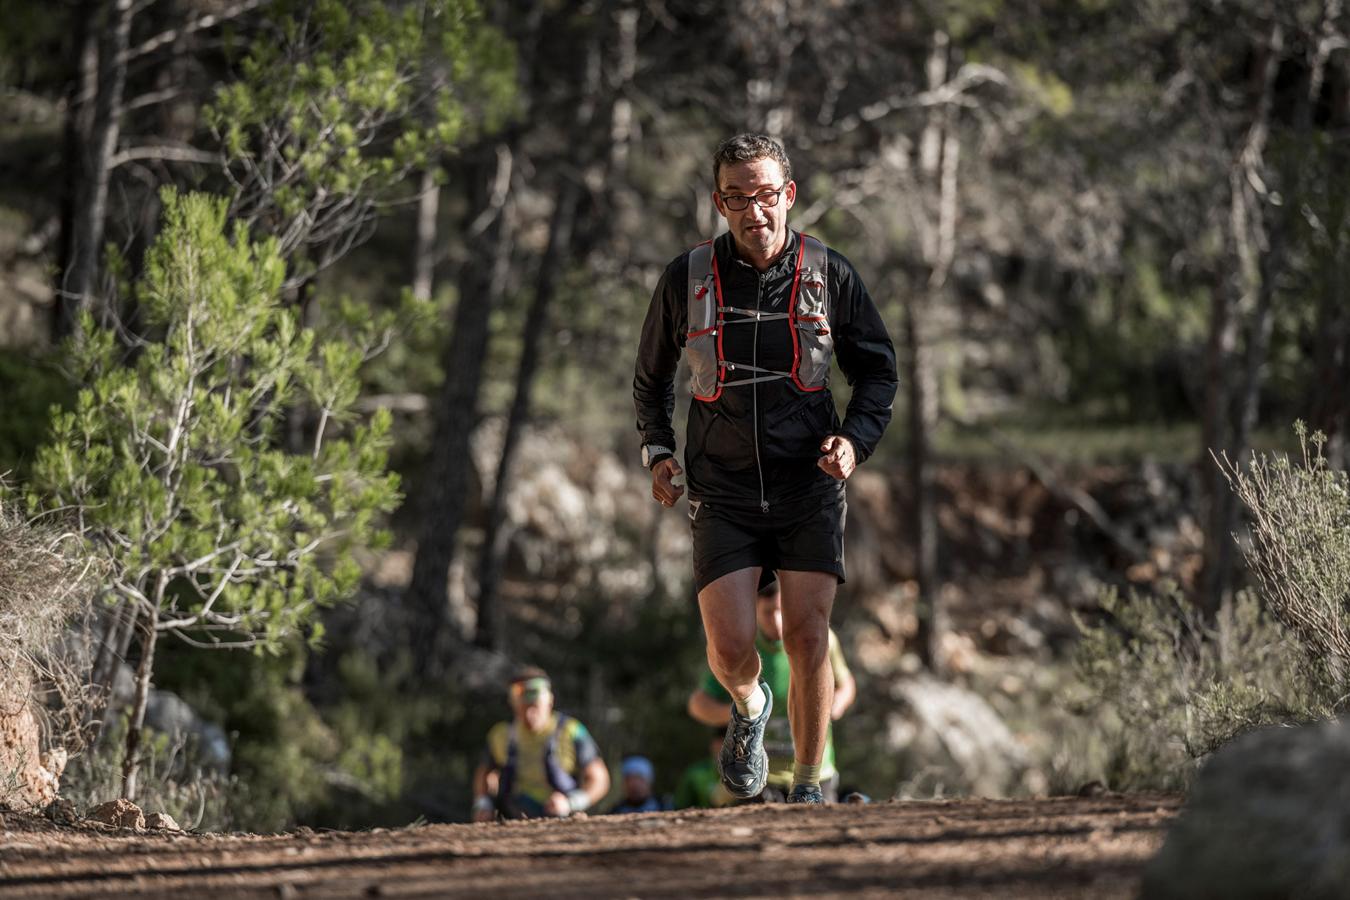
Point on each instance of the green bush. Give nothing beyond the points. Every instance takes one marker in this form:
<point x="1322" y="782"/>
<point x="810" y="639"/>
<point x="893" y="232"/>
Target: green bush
<point x="1178" y="686"/>
<point x="1170" y="687"/>
<point x="31" y="386"/>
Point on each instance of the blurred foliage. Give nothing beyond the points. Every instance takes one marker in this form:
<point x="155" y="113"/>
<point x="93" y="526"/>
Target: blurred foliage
<point x="1182" y="686"/>
<point x="31" y="387"/>
<point x="171" y="782"/>
<point x="1176" y="687"/>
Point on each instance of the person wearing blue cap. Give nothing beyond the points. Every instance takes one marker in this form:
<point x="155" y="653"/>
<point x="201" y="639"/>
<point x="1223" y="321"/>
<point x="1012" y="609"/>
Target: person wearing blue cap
<point x="638" y="776"/>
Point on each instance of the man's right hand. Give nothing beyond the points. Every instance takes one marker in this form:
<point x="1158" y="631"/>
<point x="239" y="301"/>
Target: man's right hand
<point x="557" y="805"/>
<point x="664" y="489"/>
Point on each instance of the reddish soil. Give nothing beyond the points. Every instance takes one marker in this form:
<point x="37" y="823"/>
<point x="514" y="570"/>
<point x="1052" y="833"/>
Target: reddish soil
<point x="1065" y="847"/>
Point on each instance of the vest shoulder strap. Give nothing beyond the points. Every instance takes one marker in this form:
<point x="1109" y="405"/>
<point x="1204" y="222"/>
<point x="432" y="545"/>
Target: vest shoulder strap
<point x="814" y="255"/>
<point x="702" y="300"/>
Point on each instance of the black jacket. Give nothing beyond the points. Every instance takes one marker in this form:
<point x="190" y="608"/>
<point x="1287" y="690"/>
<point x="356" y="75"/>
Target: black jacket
<point x="783" y="423"/>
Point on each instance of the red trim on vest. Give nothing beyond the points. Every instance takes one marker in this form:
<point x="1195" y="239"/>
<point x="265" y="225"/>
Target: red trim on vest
<point x="721" y="319"/>
<point x="793" y="319"/>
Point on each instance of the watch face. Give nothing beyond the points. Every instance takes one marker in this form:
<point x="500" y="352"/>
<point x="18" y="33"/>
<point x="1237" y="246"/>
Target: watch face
<point x="646" y="456"/>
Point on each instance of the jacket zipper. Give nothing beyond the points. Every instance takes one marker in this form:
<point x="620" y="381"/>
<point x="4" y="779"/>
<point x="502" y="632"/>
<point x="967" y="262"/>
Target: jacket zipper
<point x="754" y="398"/>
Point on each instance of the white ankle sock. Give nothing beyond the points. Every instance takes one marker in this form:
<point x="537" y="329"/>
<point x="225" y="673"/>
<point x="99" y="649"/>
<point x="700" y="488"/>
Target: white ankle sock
<point x="753" y="705"/>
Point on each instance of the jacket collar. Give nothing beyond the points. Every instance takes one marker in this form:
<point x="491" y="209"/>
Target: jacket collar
<point x="784" y="264"/>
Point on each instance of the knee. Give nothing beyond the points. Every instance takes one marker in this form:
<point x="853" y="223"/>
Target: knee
<point x="728" y="653"/>
<point x="807" y="638"/>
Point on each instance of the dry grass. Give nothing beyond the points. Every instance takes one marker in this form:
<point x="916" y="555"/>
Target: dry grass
<point x="45" y="581"/>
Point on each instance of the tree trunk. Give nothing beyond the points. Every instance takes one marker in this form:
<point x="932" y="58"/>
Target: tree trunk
<point x="1330" y="402"/>
<point x="131" y="762"/>
<point x="939" y="159"/>
<point x="488" y="632"/>
<point x="923" y="516"/>
<point x="424" y="258"/>
<point x="78" y="124"/>
<point x="91" y="196"/>
<point x="481" y="284"/>
<point x="1252" y="260"/>
<point x="1331" y="392"/>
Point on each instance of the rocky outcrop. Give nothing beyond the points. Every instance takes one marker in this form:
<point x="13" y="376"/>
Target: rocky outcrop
<point x="25" y="782"/>
<point x="1269" y="816"/>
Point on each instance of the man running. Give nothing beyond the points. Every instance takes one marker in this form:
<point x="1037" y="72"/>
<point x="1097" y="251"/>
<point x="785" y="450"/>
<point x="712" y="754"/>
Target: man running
<point x="710" y="704"/>
<point x="542" y="763"/>
<point x="759" y="313"/>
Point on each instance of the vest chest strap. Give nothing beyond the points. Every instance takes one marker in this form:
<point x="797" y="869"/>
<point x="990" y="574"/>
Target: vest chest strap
<point x="807" y="315"/>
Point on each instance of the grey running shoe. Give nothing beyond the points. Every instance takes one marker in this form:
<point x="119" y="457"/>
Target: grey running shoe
<point x="806" y="793"/>
<point x="743" y="764"/>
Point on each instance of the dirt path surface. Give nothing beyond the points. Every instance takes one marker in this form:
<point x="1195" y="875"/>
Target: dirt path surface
<point x="1067" y="847"/>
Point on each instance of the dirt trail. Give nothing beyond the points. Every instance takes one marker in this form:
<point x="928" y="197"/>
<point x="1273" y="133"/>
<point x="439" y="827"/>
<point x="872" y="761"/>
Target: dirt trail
<point x="1066" y="847"/>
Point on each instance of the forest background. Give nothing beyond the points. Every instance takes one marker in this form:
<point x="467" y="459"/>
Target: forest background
<point x="1107" y="238"/>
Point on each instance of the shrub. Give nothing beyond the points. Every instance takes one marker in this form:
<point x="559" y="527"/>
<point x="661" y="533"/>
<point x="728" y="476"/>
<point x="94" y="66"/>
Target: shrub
<point x="1300" y="545"/>
<point x="1170" y="687"/>
<point x="1180" y="686"/>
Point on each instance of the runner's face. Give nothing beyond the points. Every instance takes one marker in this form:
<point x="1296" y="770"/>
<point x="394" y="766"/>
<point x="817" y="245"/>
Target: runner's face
<point x="759" y="232"/>
<point x="534" y="713"/>
<point x="635" y="788"/>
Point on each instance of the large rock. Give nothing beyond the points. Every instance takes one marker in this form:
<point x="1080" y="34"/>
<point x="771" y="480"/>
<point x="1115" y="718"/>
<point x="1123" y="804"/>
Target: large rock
<point x="1269" y="816"/>
<point x="950" y="740"/>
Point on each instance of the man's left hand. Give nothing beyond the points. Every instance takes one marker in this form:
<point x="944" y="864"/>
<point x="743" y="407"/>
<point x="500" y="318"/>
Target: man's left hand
<point x="839" y="460"/>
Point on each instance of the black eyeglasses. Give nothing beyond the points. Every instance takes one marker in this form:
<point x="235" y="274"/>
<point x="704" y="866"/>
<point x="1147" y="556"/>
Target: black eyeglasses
<point x="738" y="202"/>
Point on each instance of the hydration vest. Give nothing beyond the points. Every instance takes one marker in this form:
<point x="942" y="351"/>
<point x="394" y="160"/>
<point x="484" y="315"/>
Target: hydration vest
<point x="558" y="778"/>
<point x="807" y="315"/>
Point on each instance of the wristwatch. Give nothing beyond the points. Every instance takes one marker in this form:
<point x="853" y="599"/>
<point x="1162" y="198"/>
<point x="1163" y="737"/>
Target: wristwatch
<point x="654" y="453"/>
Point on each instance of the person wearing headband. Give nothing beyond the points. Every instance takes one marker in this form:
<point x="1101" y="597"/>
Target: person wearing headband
<point x="542" y="763"/>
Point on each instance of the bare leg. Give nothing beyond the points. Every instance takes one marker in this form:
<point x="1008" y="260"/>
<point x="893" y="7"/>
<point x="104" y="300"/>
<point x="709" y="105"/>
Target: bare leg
<point x="728" y="608"/>
<point x="807" y="600"/>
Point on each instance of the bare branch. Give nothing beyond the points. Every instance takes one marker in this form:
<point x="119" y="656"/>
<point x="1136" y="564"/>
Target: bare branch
<point x="150" y="45"/>
<point x="163" y="152"/>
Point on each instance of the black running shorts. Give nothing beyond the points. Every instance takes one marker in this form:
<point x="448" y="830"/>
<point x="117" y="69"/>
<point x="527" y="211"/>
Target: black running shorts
<point x="805" y="535"/>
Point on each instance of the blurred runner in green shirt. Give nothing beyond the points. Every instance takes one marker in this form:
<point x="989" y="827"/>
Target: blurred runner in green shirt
<point x="700" y="786"/>
<point x="711" y="704"/>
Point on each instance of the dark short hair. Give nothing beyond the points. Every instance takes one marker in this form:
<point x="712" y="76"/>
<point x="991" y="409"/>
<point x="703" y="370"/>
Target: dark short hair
<point x="745" y="147"/>
<point x="526" y="673"/>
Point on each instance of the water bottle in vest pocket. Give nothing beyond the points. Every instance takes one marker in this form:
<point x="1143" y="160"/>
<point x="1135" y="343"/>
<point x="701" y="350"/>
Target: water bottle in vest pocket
<point x="700" y="343"/>
<point x="815" y="343"/>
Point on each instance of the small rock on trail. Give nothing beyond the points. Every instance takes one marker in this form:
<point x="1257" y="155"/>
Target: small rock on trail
<point x="119" y="813"/>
